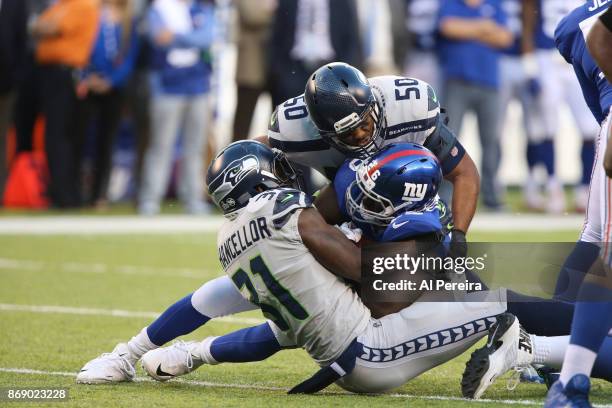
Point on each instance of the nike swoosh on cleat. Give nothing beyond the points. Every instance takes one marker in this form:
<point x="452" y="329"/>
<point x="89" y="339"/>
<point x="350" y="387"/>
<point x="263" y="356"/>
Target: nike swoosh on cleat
<point x="162" y="373"/>
<point x="82" y="371"/>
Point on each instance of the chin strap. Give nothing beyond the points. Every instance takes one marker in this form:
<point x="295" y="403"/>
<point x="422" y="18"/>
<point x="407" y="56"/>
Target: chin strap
<point x="328" y="375"/>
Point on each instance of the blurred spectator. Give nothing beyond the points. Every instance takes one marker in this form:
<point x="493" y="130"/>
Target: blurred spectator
<point x="422" y="60"/>
<point x="307" y="34"/>
<point x="28" y="104"/>
<point x="472" y="32"/>
<point x="255" y="21"/>
<point x="66" y="32"/>
<point x="181" y="32"/>
<point x="101" y="89"/>
<point x="13" y="37"/>
<point x="138" y="92"/>
<point x="377" y="36"/>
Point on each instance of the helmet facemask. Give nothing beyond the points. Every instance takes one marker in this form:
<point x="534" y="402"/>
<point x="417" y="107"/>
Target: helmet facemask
<point x="367" y="206"/>
<point x="349" y="124"/>
<point x="284" y="171"/>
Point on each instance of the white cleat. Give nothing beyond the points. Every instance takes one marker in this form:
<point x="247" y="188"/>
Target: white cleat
<point x="508" y="346"/>
<point x="108" y="368"/>
<point x="165" y="363"/>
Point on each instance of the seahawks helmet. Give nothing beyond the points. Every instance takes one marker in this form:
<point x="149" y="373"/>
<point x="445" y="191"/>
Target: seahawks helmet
<point x="339" y="100"/>
<point x="244" y="169"/>
<point x="400" y="178"/>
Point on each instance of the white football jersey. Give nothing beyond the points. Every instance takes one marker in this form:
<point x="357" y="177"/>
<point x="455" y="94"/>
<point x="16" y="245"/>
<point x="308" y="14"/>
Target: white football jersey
<point x="411" y="112"/>
<point x="262" y="252"/>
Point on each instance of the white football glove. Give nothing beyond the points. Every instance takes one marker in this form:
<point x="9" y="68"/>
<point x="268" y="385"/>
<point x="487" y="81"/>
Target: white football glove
<point x="351" y="231"/>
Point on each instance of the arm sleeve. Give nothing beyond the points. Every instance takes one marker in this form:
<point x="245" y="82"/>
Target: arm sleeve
<point x="446" y="147"/>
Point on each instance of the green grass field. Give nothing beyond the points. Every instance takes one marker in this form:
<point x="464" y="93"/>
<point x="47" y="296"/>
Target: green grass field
<point x="145" y="274"/>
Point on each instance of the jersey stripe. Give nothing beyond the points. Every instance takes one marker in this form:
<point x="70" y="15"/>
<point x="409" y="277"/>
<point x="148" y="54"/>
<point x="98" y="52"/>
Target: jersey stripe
<point x="397" y="155"/>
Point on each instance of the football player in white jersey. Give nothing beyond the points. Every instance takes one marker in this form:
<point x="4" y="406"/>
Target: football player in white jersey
<point x="341" y="114"/>
<point x="273" y="249"/>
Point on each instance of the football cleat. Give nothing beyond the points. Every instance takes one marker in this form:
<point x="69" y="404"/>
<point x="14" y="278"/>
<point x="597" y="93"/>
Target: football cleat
<point x="574" y="395"/>
<point x="508" y="346"/>
<point x="165" y="363"/>
<point x="113" y="367"/>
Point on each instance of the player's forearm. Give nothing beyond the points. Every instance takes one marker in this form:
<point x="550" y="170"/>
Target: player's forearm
<point x="466" y="186"/>
<point x="500" y="38"/>
<point x="456" y="28"/>
<point x="329" y="246"/>
<point x="599" y="42"/>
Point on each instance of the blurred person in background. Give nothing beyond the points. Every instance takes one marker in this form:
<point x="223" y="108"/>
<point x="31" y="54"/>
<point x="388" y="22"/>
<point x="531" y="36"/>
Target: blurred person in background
<point x="13" y="38"/>
<point x="101" y="89"/>
<point x="376" y="25"/>
<point x="254" y="24"/>
<point x="138" y="92"/>
<point x="181" y="33"/>
<point x="422" y="60"/>
<point x="472" y="33"/>
<point x="306" y="35"/>
<point x="66" y="33"/>
<point x="555" y="83"/>
<point x="28" y="104"/>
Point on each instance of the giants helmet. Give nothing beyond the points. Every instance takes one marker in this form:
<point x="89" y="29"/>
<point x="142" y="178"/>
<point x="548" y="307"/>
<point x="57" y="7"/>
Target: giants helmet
<point x="339" y="99"/>
<point x="244" y="169"/>
<point x="400" y="178"/>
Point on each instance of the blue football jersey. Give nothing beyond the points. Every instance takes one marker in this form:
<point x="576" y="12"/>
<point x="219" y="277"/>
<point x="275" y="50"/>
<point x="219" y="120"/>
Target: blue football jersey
<point x="570" y="39"/>
<point x="404" y="226"/>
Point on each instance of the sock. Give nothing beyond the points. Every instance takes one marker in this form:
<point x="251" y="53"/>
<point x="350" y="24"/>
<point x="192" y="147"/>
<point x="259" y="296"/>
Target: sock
<point x="572" y="272"/>
<point x="251" y="344"/>
<point x="590" y="326"/>
<point x="179" y="319"/>
<point x="546" y="151"/>
<point x="549" y="351"/>
<point x="587" y="156"/>
<point x="532" y="155"/>
<point x="578" y="360"/>
<point x="139" y="345"/>
<point x="542" y="317"/>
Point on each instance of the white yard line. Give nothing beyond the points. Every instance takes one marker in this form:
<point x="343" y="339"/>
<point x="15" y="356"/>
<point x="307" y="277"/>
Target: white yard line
<point x="269" y="388"/>
<point x="79" y="267"/>
<point x="97" y="225"/>
<point x="84" y="311"/>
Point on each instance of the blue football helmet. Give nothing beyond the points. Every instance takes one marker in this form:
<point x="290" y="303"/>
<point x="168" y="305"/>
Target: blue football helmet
<point x="400" y="178"/>
<point x="244" y="169"/>
<point x="340" y="100"/>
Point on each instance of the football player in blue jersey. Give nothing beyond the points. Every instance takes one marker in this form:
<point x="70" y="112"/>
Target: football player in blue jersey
<point x="593" y="316"/>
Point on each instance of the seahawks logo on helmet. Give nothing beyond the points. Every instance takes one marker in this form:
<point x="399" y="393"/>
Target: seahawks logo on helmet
<point x="236" y="172"/>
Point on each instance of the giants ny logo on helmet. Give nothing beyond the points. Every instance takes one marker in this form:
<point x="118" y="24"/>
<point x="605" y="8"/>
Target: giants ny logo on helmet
<point x="414" y="192"/>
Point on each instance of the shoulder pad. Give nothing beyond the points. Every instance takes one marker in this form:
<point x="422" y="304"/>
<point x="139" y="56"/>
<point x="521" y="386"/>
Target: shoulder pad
<point x="286" y="202"/>
<point x="412" y="224"/>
